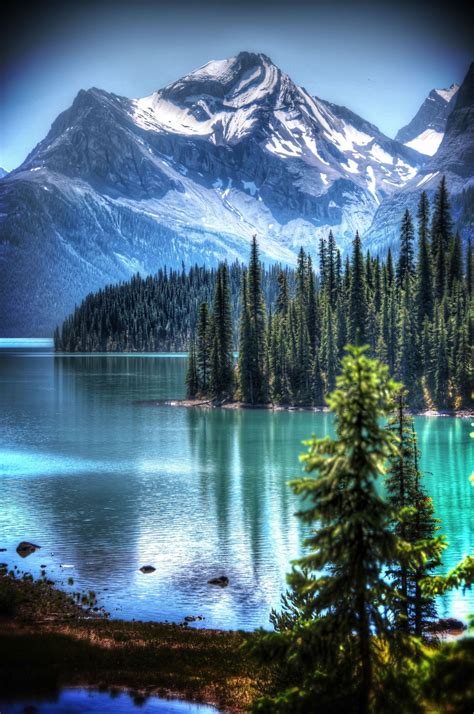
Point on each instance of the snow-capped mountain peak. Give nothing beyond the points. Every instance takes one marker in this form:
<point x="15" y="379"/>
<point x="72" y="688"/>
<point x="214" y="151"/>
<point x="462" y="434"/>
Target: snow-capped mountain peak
<point x="447" y="94"/>
<point x="426" y="130"/>
<point x="190" y="173"/>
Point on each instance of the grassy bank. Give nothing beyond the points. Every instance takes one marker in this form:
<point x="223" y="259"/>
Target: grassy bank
<point x="47" y="641"/>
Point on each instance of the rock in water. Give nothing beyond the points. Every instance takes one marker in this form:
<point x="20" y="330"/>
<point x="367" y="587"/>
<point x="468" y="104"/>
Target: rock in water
<point x="25" y="548"/>
<point x="222" y="581"/>
<point x="147" y="569"/>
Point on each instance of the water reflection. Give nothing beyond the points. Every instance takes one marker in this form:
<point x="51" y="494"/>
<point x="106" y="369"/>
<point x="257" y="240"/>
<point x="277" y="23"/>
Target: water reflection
<point x="77" y="700"/>
<point x="109" y="484"/>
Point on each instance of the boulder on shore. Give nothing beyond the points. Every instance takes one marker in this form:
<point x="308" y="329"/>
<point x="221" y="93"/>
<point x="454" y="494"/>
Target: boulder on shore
<point x="222" y="581"/>
<point x="25" y="548"/>
<point x="147" y="569"/>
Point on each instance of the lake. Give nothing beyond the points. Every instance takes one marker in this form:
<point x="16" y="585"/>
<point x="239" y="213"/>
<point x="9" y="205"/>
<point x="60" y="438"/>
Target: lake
<point x="106" y="485"/>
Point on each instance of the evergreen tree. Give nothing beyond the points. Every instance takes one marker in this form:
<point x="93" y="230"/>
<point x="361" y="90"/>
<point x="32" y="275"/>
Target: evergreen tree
<point x="222" y="360"/>
<point x="441" y="227"/>
<point x="246" y="358"/>
<point x="256" y="314"/>
<point x="417" y="525"/>
<point x="358" y="296"/>
<point x="192" y="381"/>
<point x="405" y="267"/>
<point x="441" y="367"/>
<point x="424" y="274"/>
<point x="332" y="644"/>
<point x="203" y="348"/>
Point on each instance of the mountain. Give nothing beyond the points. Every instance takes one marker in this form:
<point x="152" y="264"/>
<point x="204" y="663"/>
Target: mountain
<point x="426" y="130"/>
<point x="186" y="175"/>
<point x="454" y="159"/>
<point x="3" y="172"/>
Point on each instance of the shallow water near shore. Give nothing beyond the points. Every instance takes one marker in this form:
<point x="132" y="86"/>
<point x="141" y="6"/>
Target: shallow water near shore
<point x="106" y="485"/>
<point x="76" y="700"/>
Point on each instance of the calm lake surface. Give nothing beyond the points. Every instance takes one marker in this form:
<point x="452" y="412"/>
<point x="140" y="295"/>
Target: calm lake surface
<point x="106" y="485"/>
<point x="77" y="700"/>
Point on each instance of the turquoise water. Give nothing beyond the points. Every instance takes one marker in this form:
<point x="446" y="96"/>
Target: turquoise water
<point x="106" y="484"/>
<point x="76" y="701"/>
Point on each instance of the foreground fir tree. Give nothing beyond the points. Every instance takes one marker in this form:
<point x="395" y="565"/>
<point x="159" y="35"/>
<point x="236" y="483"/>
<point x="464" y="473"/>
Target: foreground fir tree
<point x="417" y="527"/>
<point x="336" y="639"/>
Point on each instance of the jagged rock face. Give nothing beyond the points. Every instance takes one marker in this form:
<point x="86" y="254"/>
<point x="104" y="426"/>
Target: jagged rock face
<point x="426" y="130"/>
<point x="186" y="175"/>
<point x="454" y="159"/>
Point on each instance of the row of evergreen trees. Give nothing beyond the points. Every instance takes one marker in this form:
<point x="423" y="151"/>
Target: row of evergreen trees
<point x="415" y="315"/>
<point x="349" y="635"/>
<point x="153" y="314"/>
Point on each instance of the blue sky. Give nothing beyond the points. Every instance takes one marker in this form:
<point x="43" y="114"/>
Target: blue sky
<point x="378" y="60"/>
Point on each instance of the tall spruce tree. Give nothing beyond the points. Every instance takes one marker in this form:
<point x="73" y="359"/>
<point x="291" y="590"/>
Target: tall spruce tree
<point x="203" y="348"/>
<point x="257" y="314"/>
<point x="339" y="624"/>
<point x="358" y="296"/>
<point x="417" y="526"/>
<point x="192" y="380"/>
<point x="405" y="266"/>
<point x="424" y="273"/>
<point x="222" y="359"/>
<point x="441" y="229"/>
<point x="246" y="358"/>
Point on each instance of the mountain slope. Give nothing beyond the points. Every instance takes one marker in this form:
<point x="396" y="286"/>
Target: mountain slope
<point x="426" y="130"/>
<point x="454" y="159"/>
<point x="187" y="174"/>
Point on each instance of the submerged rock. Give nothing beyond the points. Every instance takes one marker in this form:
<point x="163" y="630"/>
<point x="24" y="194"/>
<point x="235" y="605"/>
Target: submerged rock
<point x="25" y="548"/>
<point x="147" y="569"/>
<point x="222" y="581"/>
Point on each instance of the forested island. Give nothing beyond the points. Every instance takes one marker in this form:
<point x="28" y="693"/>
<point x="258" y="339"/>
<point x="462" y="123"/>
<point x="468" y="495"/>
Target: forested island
<point x="290" y="326"/>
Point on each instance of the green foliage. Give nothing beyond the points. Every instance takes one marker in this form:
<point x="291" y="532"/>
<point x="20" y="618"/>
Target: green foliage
<point x="417" y="526"/>
<point x="417" y="319"/>
<point x="335" y="644"/>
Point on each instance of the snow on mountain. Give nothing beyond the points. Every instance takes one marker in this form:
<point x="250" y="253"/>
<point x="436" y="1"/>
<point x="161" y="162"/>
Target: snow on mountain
<point x="454" y="159"/>
<point x="426" y="130"/>
<point x="3" y="172"/>
<point x="186" y="174"/>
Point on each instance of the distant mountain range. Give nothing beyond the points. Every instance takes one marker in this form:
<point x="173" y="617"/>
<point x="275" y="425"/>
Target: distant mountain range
<point x="188" y="174"/>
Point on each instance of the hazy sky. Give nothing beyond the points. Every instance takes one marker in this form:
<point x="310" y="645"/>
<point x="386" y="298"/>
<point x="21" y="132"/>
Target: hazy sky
<point x="380" y="60"/>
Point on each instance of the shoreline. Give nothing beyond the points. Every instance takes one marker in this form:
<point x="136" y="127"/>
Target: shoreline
<point x="45" y="633"/>
<point x="60" y="644"/>
<point x="236" y="405"/>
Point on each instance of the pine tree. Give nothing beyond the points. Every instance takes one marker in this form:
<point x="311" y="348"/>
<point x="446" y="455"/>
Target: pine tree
<point x="342" y="604"/>
<point x="455" y="272"/>
<point x="424" y="273"/>
<point x="192" y="381"/>
<point x="441" y="367"/>
<point x="246" y="358"/>
<point x="222" y="360"/>
<point x="203" y="348"/>
<point x="405" y="267"/>
<point x="441" y="227"/>
<point x="416" y="526"/>
<point x="256" y="314"/>
<point x="358" y="296"/>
